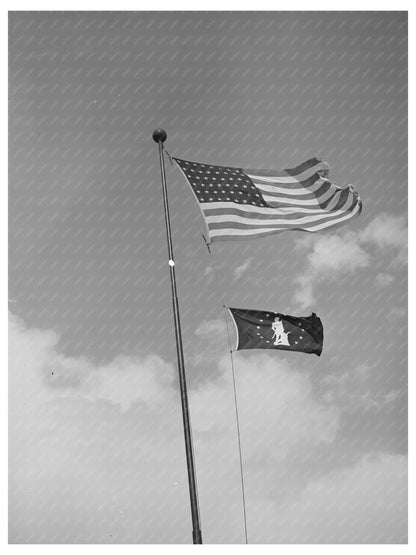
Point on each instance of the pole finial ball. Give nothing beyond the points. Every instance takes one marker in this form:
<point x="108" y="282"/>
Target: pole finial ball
<point x="159" y="135"/>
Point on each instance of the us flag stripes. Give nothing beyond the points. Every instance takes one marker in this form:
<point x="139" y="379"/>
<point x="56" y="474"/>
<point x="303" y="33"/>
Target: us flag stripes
<point x="246" y="204"/>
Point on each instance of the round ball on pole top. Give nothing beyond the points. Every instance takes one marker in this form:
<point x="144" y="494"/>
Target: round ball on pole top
<point x="159" y="135"/>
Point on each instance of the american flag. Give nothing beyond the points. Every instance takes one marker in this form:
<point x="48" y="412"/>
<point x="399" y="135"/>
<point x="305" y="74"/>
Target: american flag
<point x="247" y="204"/>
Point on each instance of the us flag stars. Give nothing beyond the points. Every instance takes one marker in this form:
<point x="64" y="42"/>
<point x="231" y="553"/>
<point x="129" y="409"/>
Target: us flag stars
<point x="221" y="184"/>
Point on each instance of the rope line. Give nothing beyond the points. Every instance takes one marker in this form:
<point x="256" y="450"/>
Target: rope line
<point x="234" y="388"/>
<point x="168" y="155"/>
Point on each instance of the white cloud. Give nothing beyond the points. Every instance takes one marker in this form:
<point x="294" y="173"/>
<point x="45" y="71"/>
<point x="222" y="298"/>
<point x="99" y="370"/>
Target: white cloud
<point x="384" y="280"/>
<point x="366" y="503"/>
<point x="213" y="339"/>
<point x="398" y="313"/>
<point x="94" y="450"/>
<point x="305" y="293"/>
<point x="387" y="231"/>
<point x="97" y="454"/>
<point x="211" y="328"/>
<point x="37" y="364"/>
<point x="332" y="256"/>
<point x="209" y="273"/>
<point x="242" y="269"/>
<point x="273" y="398"/>
<point x="354" y="390"/>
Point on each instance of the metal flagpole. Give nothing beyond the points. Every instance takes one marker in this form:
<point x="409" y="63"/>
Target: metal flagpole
<point x="160" y="136"/>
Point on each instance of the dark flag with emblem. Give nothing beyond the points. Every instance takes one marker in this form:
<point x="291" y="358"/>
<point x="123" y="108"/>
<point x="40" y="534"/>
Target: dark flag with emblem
<point x="245" y="204"/>
<point x="258" y="329"/>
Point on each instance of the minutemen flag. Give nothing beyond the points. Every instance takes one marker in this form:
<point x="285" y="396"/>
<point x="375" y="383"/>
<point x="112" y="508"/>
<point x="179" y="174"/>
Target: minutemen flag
<point x="246" y="204"/>
<point x="258" y="329"/>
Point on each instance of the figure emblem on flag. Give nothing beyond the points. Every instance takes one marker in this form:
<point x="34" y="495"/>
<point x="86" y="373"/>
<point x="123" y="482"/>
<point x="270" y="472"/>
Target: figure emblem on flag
<point x="260" y="329"/>
<point x="279" y="335"/>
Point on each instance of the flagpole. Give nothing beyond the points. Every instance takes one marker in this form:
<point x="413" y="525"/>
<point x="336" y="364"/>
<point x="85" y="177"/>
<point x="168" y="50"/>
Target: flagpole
<point x="160" y="136"/>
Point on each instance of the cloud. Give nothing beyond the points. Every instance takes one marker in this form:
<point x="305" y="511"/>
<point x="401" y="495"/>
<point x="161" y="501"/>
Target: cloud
<point x="212" y="340"/>
<point x="209" y="273"/>
<point x="387" y="231"/>
<point x="354" y="390"/>
<point x="97" y="455"/>
<point x="366" y="503"/>
<point x="93" y="449"/>
<point x="242" y="269"/>
<point x="124" y="381"/>
<point x="332" y="256"/>
<point x="305" y="293"/>
<point x="383" y="280"/>
<point x="291" y="412"/>
<point x="211" y="328"/>
<point x="398" y="313"/>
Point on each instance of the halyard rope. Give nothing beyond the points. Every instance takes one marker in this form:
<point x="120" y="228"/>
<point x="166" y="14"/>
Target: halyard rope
<point x="234" y="387"/>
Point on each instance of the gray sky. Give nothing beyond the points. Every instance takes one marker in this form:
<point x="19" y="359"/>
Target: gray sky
<point x="96" y="444"/>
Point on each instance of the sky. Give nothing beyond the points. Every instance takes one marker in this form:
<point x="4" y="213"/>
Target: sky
<point x="96" y="450"/>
